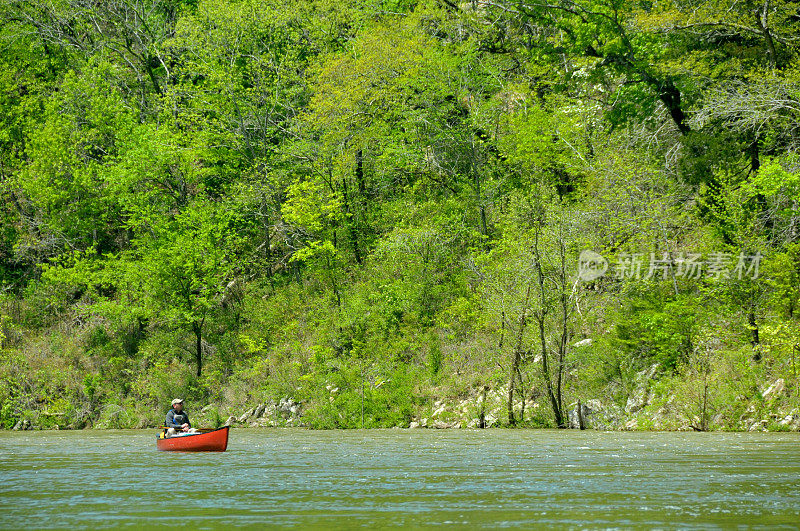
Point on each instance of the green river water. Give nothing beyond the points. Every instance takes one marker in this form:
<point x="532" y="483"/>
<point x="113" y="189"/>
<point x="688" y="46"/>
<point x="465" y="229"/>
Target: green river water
<point x="402" y="478"/>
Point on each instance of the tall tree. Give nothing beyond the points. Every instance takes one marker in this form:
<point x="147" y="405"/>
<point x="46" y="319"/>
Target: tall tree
<point x="183" y="267"/>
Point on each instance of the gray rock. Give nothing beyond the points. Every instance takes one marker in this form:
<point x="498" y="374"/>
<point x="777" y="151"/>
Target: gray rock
<point x="632" y="424"/>
<point x="594" y="404"/>
<point x="648" y="374"/>
<point x="247" y="414"/>
<point x="635" y="403"/>
<point x="574" y="421"/>
<point x="774" y="390"/>
<point x="230" y="420"/>
<point x="413" y="425"/>
<point x="583" y="343"/>
<point x="285" y="405"/>
<point x="641" y="396"/>
<point x="259" y="411"/>
<point x="600" y="416"/>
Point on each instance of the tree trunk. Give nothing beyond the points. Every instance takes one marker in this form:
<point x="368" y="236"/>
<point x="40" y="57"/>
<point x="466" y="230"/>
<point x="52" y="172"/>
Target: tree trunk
<point x="564" y="336"/>
<point x="670" y="96"/>
<point x="517" y="358"/>
<point x="512" y="421"/>
<point x="521" y="396"/>
<point x="555" y="401"/>
<point x="152" y="76"/>
<point x="197" y="328"/>
<point x="754" y="339"/>
<point x="482" y="416"/>
<point x="503" y="329"/>
<point x="352" y="229"/>
<point x="755" y="160"/>
<point x="704" y="417"/>
<point x="763" y="25"/>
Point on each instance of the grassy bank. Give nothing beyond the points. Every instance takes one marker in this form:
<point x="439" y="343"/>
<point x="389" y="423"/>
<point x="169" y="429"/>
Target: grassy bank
<point x="77" y="374"/>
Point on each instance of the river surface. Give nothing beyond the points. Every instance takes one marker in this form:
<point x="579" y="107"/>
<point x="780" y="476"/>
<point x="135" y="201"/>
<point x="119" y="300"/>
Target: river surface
<point x="402" y="478"/>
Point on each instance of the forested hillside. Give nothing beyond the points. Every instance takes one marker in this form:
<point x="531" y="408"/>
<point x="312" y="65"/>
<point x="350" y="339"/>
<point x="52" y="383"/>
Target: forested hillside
<point x="384" y="211"/>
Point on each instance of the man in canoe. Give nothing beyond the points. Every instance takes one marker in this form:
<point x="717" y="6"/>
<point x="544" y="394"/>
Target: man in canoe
<point x="178" y="420"/>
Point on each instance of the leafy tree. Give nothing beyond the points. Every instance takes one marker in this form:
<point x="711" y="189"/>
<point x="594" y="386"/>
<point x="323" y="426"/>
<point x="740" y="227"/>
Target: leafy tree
<point x="529" y="281"/>
<point x="182" y="268"/>
<point x="601" y="40"/>
<point x="63" y="191"/>
<point x="131" y="34"/>
<point x="356" y="109"/>
<point x="764" y="31"/>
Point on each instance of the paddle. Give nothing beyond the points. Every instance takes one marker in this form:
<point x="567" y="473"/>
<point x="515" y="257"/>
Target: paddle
<point x="200" y="430"/>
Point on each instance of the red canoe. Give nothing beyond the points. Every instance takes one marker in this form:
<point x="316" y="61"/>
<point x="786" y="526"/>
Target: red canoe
<point x="210" y="441"/>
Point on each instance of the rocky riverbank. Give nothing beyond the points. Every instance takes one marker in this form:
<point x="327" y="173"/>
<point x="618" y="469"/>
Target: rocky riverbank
<point x="647" y="408"/>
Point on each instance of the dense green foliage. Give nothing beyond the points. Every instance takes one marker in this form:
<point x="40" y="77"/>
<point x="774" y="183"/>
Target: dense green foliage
<point x="371" y="206"/>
